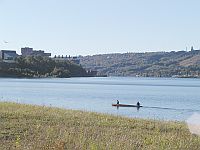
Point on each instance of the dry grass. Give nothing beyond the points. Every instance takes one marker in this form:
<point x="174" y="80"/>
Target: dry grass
<point x="195" y="60"/>
<point x="35" y="127"/>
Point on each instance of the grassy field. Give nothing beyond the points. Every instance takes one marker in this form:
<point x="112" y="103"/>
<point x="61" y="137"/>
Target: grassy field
<point x="35" y="127"/>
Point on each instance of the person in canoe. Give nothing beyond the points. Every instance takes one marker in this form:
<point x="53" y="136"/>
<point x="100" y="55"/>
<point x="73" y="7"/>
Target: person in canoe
<point x="117" y="101"/>
<point x="138" y="104"/>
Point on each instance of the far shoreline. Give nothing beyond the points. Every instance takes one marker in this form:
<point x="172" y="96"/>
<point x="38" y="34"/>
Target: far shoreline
<point x="12" y="77"/>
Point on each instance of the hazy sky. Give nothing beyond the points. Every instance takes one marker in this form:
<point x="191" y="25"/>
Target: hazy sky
<point x="82" y="27"/>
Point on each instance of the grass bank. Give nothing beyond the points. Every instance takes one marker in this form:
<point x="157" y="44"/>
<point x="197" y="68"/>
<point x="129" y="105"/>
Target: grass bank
<point x="35" y="127"/>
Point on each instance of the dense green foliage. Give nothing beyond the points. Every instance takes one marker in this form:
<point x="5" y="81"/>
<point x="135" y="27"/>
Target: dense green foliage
<point x="37" y="66"/>
<point x="149" y="64"/>
<point x="35" y="128"/>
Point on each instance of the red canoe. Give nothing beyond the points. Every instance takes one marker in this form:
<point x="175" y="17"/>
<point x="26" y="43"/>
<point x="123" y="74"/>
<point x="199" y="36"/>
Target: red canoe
<point x="125" y="105"/>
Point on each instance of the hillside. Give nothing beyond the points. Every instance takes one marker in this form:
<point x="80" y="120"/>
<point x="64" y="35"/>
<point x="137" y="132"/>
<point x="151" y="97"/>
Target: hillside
<point x="149" y="64"/>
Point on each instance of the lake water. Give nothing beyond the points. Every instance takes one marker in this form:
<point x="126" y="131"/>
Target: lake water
<point x="179" y="97"/>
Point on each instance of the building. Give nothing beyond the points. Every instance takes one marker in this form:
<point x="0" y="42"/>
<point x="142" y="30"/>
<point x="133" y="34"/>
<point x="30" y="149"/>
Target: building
<point x="73" y="59"/>
<point x="41" y="53"/>
<point x="27" y="51"/>
<point x="8" y="55"/>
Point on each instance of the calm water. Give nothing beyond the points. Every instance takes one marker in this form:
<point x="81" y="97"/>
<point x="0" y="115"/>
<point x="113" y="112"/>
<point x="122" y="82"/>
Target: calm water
<point x="181" y="96"/>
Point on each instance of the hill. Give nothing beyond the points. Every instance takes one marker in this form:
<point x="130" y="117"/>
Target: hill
<point x="149" y="64"/>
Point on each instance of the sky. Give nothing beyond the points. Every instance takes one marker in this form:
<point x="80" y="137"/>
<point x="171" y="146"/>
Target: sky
<point x="88" y="27"/>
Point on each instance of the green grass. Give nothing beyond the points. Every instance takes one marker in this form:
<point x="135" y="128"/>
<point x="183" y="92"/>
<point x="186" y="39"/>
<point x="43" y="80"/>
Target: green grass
<point x="36" y="127"/>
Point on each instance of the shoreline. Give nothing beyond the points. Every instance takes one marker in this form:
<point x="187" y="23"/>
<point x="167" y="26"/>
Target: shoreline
<point x="53" y="77"/>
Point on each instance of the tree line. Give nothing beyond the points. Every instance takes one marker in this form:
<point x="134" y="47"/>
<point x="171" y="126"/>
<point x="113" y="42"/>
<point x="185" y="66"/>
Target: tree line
<point x="38" y="66"/>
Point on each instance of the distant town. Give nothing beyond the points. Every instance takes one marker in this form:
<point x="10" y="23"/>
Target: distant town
<point x="39" y="64"/>
<point x="10" y="55"/>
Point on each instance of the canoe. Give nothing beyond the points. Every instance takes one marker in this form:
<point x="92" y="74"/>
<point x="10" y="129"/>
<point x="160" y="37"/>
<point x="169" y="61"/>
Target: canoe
<point x="125" y="105"/>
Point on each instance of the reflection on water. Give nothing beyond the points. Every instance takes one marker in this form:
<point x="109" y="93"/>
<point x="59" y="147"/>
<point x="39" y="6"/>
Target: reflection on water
<point x="162" y="98"/>
<point x="138" y="108"/>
